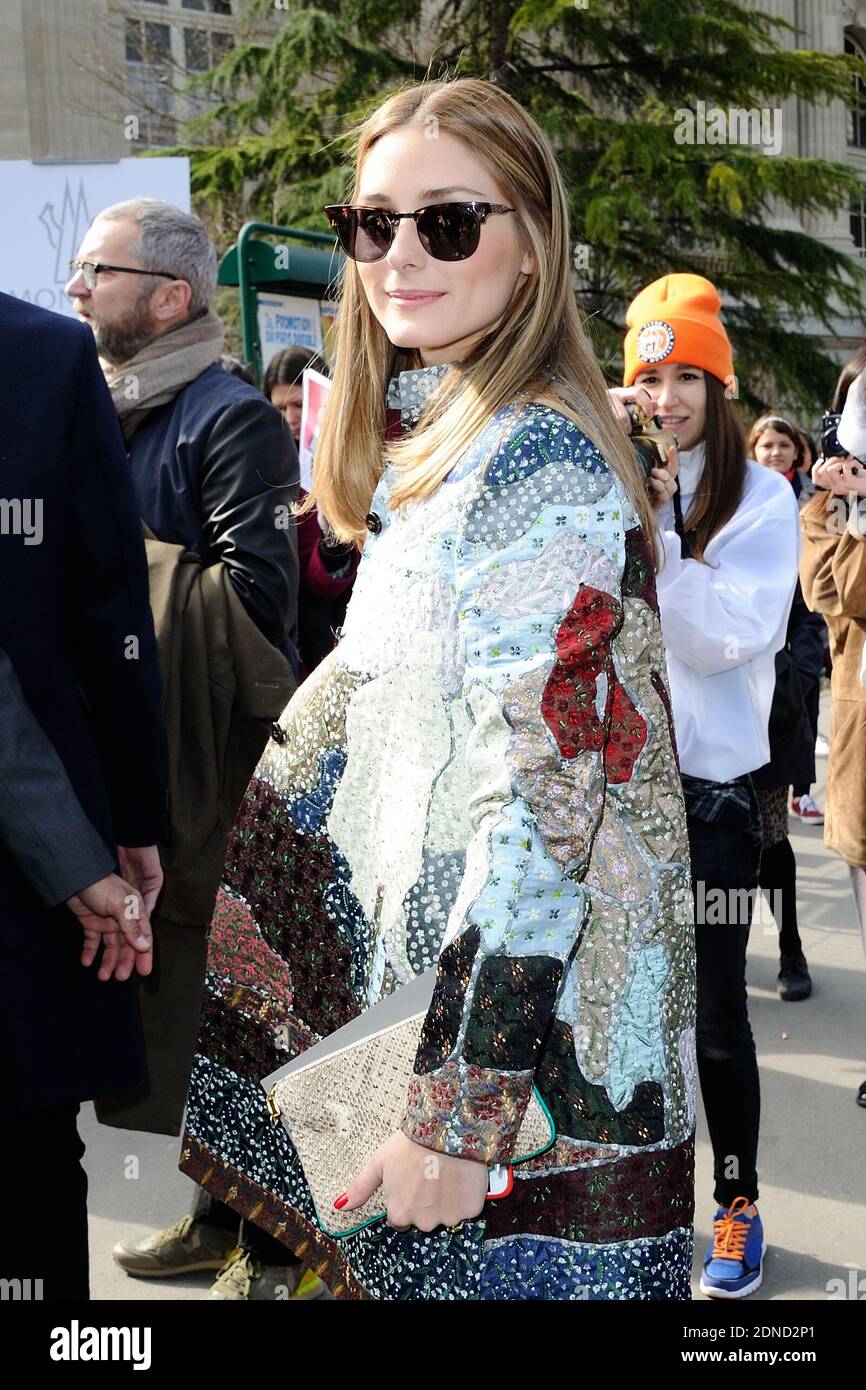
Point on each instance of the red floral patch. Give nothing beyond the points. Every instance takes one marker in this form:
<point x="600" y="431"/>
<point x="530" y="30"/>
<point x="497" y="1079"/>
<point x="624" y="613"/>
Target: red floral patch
<point x="568" y="702"/>
<point x="237" y="950"/>
<point x="626" y="738"/>
<point x="583" y="651"/>
<point x="661" y="690"/>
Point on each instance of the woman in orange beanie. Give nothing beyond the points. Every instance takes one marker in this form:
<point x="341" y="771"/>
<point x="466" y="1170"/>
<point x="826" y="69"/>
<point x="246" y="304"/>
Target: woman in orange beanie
<point x="725" y="590"/>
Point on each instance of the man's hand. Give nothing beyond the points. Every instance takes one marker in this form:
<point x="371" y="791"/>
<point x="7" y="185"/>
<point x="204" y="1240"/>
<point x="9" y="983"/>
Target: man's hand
<point x="113" y="915"/>
<point x="142" y="868"/>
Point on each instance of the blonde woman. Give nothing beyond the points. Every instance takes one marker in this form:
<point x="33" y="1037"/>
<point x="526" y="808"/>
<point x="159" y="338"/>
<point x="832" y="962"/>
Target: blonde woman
<point x="481" y="774"/>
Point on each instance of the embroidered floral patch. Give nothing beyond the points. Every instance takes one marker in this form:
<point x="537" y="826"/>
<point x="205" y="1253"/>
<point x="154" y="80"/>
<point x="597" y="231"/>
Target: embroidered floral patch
<point x="568" y="703"/>
<point x="511" y="1007"/>
<point x="584" y="1111"/>
<point x="445" y="1014"/>
<point x="626" y="739"/>
<point x="467" y="1111"/>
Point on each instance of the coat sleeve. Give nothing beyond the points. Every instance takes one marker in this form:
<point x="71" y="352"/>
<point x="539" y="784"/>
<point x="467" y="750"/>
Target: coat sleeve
<point x="326" y="570"/>
<point x="539" y="568"/>
<point x="41" y="819"/>
<point x="833" y="563"/>
<point x="115" y="648"/>
<point x="720" y="614"/>
<point x="851" y="432"/>
<point x="248" y="479"/>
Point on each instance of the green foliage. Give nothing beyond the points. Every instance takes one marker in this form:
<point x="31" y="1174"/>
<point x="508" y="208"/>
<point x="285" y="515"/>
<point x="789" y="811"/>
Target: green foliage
<point x="609" y="84"/>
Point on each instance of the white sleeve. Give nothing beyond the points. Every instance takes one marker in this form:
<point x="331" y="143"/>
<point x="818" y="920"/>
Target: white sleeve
<point x="720" y="614"/>
<point x="851" y="432"/>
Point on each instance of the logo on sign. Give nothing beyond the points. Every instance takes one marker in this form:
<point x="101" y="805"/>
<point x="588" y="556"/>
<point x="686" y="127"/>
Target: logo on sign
<point x="655" y="341"/>
<point x="66" y="231"/>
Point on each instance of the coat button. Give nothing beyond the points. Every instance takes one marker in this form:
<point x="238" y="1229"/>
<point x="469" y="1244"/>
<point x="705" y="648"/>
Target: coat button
<point x="373" y="523"/>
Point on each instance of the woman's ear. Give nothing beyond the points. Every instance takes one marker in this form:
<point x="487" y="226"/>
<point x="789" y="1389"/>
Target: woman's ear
<point x="527" y="265"/>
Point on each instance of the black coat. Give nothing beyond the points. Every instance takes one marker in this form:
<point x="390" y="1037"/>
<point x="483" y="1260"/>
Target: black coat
<point x="75" y="622"/>
<point x="41" y="819"/>
<point x="215" y="470"/>
<point x="798" y="666"/>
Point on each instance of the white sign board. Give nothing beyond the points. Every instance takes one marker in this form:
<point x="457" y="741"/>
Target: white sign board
<point x="287" y="320"/>
<point x="45" y="209"/>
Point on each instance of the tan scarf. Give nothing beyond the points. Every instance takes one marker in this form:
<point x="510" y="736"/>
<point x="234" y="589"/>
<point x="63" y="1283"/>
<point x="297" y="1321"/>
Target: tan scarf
<point x="160" y="370"/>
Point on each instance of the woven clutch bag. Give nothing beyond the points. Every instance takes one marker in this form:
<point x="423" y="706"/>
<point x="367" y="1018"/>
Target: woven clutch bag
<point x="340" y="1105"/>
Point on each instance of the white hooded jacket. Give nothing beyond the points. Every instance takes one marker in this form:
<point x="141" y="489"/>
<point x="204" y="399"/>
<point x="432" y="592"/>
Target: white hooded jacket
<point x="724" y="620"/>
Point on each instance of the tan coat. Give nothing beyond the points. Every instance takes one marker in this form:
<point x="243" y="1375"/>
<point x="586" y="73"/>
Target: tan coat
<point x="220" y="679"/>
<point x="833" y="576"/>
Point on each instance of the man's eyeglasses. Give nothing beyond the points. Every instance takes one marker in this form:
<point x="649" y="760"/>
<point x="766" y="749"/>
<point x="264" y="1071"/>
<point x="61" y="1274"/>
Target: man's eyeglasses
<point x="447" y="231"/>
<point x="90" y="270"/>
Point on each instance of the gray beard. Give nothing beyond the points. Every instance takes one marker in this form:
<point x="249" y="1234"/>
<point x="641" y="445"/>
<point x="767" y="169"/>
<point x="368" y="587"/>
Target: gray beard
<point x="119" y="342"/>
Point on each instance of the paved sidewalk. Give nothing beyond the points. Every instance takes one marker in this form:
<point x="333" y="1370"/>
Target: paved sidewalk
<point x="812" y="1158"/>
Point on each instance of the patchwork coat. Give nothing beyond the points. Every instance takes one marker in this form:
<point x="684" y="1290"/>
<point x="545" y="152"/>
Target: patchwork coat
<point x="483" y="773"/>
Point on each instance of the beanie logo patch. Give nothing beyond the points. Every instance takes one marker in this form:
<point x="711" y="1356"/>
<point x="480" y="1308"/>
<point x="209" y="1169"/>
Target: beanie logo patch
<point x="655" y="341"/>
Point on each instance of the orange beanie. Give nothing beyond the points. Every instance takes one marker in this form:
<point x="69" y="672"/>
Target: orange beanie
<point x="676" y="319"/>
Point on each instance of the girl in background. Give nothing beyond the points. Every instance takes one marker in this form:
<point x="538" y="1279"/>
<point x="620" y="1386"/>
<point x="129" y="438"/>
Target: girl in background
<point x="327" y="566"/>
<point x="778" y="444"/>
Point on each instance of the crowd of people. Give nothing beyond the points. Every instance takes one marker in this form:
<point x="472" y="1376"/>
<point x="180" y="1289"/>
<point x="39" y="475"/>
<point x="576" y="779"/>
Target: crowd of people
<point x="495" y="696"/>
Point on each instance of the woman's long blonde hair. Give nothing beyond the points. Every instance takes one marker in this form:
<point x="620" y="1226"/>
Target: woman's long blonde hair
<point x="538" y="349"/>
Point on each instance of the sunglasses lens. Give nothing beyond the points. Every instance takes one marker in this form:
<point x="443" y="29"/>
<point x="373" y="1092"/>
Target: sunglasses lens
<point x="364" y="234"/>
<point x="449" y="231"/>
<point x="373" y="236"/>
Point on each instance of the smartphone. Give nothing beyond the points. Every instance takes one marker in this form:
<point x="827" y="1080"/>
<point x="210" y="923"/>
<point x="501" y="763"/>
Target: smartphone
<point x="500" y="1180"/>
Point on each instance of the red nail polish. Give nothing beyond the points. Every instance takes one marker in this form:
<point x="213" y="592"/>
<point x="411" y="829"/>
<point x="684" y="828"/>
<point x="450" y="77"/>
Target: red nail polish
<point x="341" y="1201"/>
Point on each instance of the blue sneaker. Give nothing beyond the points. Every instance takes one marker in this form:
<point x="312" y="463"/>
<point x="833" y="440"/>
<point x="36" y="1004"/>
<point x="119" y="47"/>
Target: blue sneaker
<point x="734" y="1264"/>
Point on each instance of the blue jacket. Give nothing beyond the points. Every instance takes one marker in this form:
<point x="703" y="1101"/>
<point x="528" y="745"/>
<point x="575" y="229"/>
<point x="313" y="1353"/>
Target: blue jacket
<point x="215" y="470"/>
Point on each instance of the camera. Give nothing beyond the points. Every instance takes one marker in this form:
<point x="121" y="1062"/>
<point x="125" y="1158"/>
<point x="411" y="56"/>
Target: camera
<point x="830" y="446"/>
<point x="649" y="438"/>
